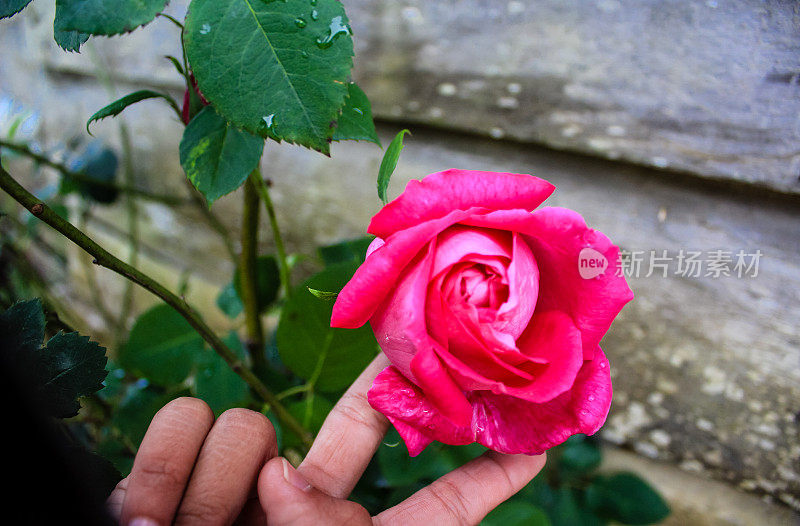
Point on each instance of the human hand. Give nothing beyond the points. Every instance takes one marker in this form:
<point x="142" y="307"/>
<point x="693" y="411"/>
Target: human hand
<point x="192" y="470"/>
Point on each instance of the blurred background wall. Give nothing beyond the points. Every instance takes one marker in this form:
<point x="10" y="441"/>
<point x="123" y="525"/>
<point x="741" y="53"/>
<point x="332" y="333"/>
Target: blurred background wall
<point x="670" y="125"/>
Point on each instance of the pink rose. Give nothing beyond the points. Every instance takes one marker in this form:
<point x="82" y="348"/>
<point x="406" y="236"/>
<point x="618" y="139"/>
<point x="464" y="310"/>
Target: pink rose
<point x="479" y="302"/>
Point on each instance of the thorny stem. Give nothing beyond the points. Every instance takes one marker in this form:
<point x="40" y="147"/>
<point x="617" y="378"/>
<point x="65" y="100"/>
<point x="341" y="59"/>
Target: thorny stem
<point x="283" y="263"/>
<point x="105" y="259"/>
<point x="248" y="277"/>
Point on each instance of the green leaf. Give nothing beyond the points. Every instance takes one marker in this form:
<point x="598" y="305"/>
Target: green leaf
<point x="268" y="281"/>
<point x="278" y="69"/>
<point x="176" y="64"/>
<point x="98" y="163"/>
<point x="516" y="513"/>
<point x="389" y="163"/>
<point x="116" y="107"/>
<point x="310" y="415"/>
<point x="22" y="327"/>
<point x="216" y="156"/>
<point x="12" y="7"/>
<point x="228" y="301"/>
<point x="161" y="346"/>
<point x="566" y="511"/>
<point x="323" y="295"/>
<point x="215" y="381"/>
<point x="67" y="40"/>
<point x="138" y="409"/>
<point x="355" y="123"/>
<point x="626" y="498"/>
<point x="353" y="250"/>
<point x="68" y="367"/>
<point x="399" y="469"/>
<point x="107" y="17"/>
<point x="308" y="345"/>
<point x="579" y="455"/>
<point x="70" y="40"/>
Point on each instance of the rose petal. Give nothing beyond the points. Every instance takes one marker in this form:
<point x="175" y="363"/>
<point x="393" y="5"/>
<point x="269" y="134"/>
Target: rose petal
<point x="523" y="291"/>
<point x="403" y="402"/>
<point x="500" y="422"/>
<point x="556" y="237"/>
<point x="440" y="193"/>
<point x="440" y="388"/>
<point x="511" y="425"/>
<point x="415" y="440"/>
<point x="455" y="244"/>
<point x="380" y="271"/>
<point x="399" y="323"/>
<point x="553" y="337"/>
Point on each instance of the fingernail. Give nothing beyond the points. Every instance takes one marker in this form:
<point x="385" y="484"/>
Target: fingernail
<point x="293" y="477"/>
<point x="142" y="521"/>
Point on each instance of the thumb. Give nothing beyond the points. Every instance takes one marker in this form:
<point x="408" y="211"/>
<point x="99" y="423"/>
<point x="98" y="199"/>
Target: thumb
<point x="287" y="498"/>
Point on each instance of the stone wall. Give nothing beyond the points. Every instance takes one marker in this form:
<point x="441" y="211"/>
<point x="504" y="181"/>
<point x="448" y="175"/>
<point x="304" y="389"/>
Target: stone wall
<point x="706" y="370"/>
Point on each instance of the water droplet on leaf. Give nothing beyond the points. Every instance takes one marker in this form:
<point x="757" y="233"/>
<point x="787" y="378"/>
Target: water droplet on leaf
<point x="336" y="28"/>
<point x="314" y="14"/>
<point x="205" y="29"/>
<point x="299" y="22"/>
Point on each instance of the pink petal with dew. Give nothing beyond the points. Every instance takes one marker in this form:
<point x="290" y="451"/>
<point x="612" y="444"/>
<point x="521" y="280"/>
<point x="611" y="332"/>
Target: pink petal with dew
<point x="399" y="322"/>
<point x="439" y="193"/>
<point x="439" y="388"/>
<point x="556" y="237"/>
<point x="500" y="422"/>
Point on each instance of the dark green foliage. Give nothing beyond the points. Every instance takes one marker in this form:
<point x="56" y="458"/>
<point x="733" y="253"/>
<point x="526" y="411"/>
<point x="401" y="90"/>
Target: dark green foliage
<point x="216" y="156"/>
<point x="355" y="123"/>
<point x="12" y="7"/>
<point x="216" y="383"/>
<point x="626" y="498"/>
<point x="162" y="347"/>
<point x="308" y="345"/>
<point x="138" y="408"/>
<point x="516" y="513"/>
<point x="354" y="250"/>
<point x="268" y="282"/>
<point x="579" y="454"/>
<point x="22" y="327"/>
<point x="98" y="163"/>
<point x="68" y="367"/>
<point x="277" y="69"/>
<point x="106" y="17"/>
<point x="66" y="39"/>
<point x="389" y="163"/>
<point x="310" y="412"/>
<point x="229" y="302"/>
<point x="116" y="107"/>
<point x="399" y="469"/>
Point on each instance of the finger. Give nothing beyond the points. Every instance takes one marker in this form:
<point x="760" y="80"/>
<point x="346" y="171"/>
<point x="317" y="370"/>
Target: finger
<point x="233" y="453"/>
<point x="348" y="438"/>
<point x="165" y="460"/>
<point x="466" y="495"/>
<point x="117" y="497"/>
<point x="288" y="499"/>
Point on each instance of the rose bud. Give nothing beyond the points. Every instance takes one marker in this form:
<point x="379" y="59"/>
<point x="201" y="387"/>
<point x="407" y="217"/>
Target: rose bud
<point x="479" y="302"/>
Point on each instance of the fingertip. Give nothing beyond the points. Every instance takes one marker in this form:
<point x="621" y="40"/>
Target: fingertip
<point x="189" y="408"/>
<point x="519" y="468"/>
<point x="252" y="423"/>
